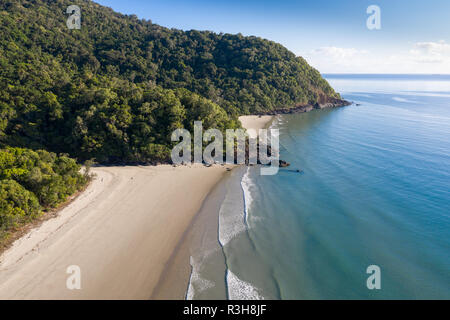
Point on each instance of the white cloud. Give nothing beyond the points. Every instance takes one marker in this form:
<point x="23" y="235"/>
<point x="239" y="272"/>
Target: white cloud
<point x="422" y="57"/>
<point x="431" y="52"/>
<point x="338" y="53"/>
<point x="439" y="48"/>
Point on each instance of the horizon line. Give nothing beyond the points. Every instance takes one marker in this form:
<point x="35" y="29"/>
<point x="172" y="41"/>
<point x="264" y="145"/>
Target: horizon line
<point x="391" y="74"/>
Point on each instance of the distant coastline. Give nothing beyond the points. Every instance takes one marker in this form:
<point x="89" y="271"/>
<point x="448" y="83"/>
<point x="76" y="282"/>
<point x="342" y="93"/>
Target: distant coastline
<point x="382" y="76"/>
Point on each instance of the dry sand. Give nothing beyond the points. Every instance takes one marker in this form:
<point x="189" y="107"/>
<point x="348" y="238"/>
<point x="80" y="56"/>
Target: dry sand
<point x="201" y="234"/>
<point x="121" y="232"/>
<point x="255" y="122"/>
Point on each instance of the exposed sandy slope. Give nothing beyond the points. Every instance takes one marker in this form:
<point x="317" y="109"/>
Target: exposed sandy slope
<point x="121" y="232"/>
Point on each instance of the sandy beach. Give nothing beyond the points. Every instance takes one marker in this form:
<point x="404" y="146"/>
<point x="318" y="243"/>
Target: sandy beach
<point x="200" y="236"/>
<point x="122" y="232"/>
<point x="255" y="122"/>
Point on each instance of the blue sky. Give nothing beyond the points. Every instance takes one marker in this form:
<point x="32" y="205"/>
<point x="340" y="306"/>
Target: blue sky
<point x="332" y="35"/>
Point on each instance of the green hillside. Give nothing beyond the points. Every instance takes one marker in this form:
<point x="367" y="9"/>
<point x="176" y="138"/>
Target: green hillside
<point x="116" y="89"/>
<point x="31" y="181"/>
<point x="98" y="92"/>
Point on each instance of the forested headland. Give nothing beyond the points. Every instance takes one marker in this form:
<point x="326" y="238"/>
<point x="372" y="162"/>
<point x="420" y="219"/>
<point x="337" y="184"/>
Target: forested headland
<point x="114" y="91"/>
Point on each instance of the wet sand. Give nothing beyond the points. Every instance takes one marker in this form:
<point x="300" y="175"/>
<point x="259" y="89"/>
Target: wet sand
<point x="200" y="243"/>
<point x="131" y="232"/>
<point x="121" y="232"/>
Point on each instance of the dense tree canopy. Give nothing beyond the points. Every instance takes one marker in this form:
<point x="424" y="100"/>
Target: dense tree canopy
<point x="116" y="89"/>
<point x="33" y="180"/>
<point x="97" y="92"/>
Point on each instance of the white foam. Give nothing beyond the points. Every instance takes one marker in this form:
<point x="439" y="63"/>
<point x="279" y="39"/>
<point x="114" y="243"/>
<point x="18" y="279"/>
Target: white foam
<point x="246" y="182"/>
<point x="196" y="283"/>
<point x="241" y="290"/>
<point x="230" y="223"/>
<point x="232" y="214"/>
<point x="278" y="121"/>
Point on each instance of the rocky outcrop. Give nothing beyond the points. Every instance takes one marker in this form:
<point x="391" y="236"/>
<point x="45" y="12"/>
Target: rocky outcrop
<point x="284" y="164"/>
<point x="328" y="103"/>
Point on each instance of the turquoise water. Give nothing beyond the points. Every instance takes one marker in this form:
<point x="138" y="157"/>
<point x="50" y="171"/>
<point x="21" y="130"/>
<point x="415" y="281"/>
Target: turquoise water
<point x="375" y="191"/>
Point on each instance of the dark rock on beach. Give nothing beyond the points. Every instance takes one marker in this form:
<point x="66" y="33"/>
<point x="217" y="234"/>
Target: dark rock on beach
<point x="284" y="164"/>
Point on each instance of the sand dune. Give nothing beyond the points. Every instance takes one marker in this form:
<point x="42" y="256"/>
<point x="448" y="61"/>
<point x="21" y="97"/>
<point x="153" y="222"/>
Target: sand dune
<point x="121" y="232"/>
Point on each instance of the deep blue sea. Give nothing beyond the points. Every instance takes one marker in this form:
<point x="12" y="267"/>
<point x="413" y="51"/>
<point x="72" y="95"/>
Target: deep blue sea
<point x="375" y="190"/>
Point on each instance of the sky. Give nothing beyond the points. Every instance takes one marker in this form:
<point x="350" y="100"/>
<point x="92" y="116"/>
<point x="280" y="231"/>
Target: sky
<point x="333" y="36"/>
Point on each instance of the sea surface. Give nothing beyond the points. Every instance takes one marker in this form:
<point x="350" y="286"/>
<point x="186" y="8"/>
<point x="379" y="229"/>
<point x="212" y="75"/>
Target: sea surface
<point x="375" y="190"/>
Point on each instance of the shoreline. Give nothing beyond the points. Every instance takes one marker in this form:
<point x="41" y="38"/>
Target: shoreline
<point x="202" y="234"/>
<point x="126" y="232"/>
<point x="121" y="232"/>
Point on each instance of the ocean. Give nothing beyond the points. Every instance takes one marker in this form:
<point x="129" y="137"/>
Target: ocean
<point x="375" y="190"/>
